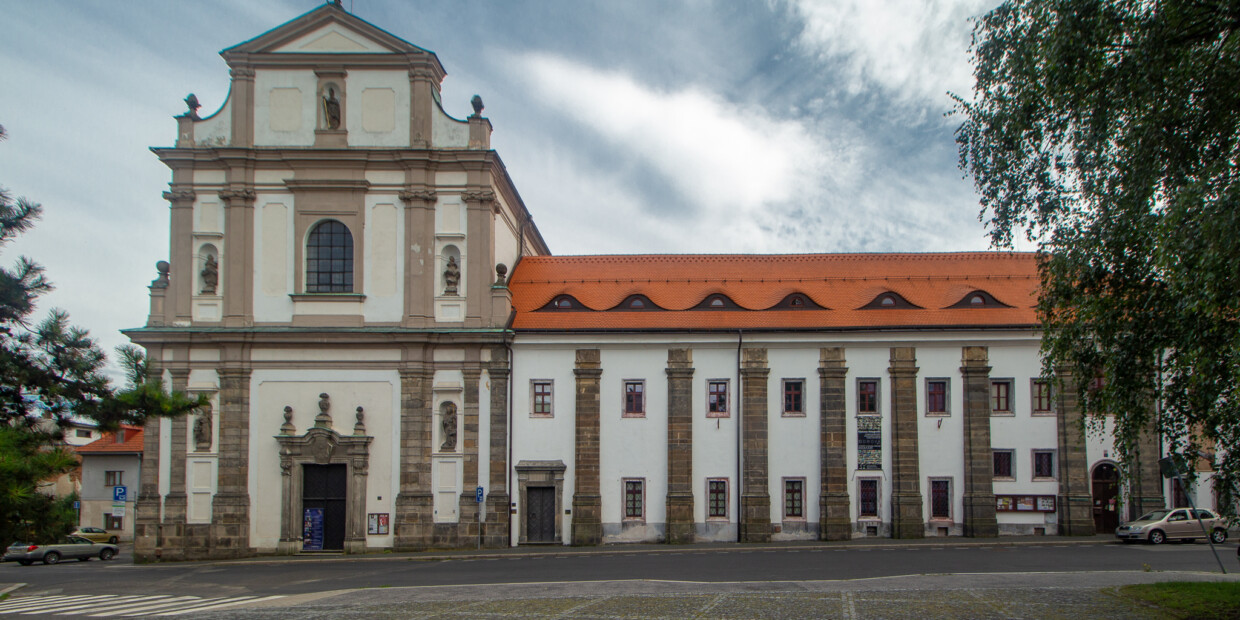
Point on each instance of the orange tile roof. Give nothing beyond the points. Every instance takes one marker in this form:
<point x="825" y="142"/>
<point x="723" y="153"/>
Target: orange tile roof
<point x="840" y="283"/>
<point x="107" y="443"/>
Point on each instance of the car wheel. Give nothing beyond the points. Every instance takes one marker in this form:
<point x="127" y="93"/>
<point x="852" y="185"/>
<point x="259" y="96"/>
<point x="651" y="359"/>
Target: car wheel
<point x="113" y="540"/>
<point x="25" y="562"/>
<point x="1218" y="536"/>
<point x="51" y="558"/>
<point x="1157" y="537"/>
<point x="106" y="554"/>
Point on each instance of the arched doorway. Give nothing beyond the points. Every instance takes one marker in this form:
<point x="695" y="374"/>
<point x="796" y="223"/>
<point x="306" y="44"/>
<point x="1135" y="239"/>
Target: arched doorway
<point x="1106" y="497"/>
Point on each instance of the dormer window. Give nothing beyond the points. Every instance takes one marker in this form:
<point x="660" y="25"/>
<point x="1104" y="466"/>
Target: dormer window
<point x="889" y="300"/>
<point x="979" y="299"/>
<point x="637" y="304"/>
<point x="563" y="303"/>
<point x="797" y="302"/>
<point x="717" y="302"/>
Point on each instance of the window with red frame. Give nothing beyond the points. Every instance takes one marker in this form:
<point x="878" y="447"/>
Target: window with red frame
<point x="867" y="397"/>
<point x="940" y="499"/>
<point x="868" y="500"/>
<point x="634" y="398"/>
<point x="717" y="499"/>
<point x="717" y="399"/>
<point x="1041" y="397"/>
<point x="1001" y="396"/>
<point x="936" y="397"/>
<point x="794" y="390"/>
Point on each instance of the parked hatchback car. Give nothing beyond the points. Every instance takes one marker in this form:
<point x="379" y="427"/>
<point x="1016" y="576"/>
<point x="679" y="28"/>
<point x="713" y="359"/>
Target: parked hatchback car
<point x="1177" y="524"/>
<point x="68" y="547"/>
<point x="96" y="534"/>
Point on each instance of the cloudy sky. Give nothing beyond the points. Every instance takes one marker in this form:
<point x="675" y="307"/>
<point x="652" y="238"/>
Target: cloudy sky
<point x="639" y="126"/>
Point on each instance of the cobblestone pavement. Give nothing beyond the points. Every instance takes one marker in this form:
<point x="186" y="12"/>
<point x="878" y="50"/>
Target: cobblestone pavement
<point x="1013" y="595"/>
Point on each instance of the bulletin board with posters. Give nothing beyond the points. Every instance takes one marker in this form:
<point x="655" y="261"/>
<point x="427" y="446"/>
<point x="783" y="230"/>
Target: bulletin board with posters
<point x="1025" y="503"/>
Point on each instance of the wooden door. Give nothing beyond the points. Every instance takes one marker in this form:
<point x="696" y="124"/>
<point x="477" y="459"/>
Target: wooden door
<point x="1106" y="498"/>
<point x="540" y="514"/>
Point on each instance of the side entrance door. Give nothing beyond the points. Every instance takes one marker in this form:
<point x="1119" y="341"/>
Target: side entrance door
<point x="323" y="493"/>
<point x="540" y="514"/>
<point x="1106" y="498"/>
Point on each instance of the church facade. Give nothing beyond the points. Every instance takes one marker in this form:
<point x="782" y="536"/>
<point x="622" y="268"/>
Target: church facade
<point x="395" y="361"/>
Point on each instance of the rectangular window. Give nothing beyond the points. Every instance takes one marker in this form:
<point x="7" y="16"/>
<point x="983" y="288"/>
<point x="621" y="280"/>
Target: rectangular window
<point x="936" y="397"/>
<point x="1043" y="464"/>
<point x="113" y="478"/>
<point x="634" y="498"/>
<point x="794" y="394"/>
<point x="540" y="398"/>
<point x="635" y="398"/>
<point x="1042" y="398"/>
<point x="85" y="434"/>
<point x="1003" y="464"/>
<point x="113" y="523"/>
<point x="1001" y="397"/>
<point x="717" y="498"/>
<point x="867" y="498"/>
<point x="867" y="396"/>
<point x="717" y="398"/>
<point x="940" y="499"/>
<point x="794" y="498"/>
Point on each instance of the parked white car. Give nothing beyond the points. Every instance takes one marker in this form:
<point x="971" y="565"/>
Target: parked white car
<point x="1176" y="524"/>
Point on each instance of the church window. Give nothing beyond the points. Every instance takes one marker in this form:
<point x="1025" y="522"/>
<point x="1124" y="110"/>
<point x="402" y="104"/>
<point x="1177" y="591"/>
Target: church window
<point x="717" y="398"/>
<point x="329" y="259"/>
<point x="634" y="398"/>
<point x="940" y="499"/>
<point x="794" y="396"/>
<point x="867" y="397"/>
<point x="540" y="398"/>
<point x="794" y="498"/>
<point x="634" y="499"/>
<point x="717" y="498"/>
<point x="868" y="498"/>
<point x="936" y="397"/>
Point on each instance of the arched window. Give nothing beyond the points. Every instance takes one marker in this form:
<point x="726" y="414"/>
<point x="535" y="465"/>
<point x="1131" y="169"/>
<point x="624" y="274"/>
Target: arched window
<point x="329" y="259"/>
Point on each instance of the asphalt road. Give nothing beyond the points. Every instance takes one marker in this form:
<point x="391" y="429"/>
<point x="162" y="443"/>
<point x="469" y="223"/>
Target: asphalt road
<point x="732" y="564"/>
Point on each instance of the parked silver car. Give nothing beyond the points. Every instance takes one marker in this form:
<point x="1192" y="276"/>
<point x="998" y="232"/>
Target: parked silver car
<point x="1176" y="524"/>
<point x="68" y="547"/>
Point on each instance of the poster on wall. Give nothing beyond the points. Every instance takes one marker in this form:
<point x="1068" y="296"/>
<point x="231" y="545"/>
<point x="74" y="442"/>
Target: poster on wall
<point x="312" y="530"/>
<point x="1003" y="503"/>
<point x="869" y="442"/>
<point x="377" y="523"/>
<point x="1046" y="503"/>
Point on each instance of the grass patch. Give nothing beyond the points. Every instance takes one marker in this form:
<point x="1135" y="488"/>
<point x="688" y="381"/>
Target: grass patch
<point x="1196" y="600"/>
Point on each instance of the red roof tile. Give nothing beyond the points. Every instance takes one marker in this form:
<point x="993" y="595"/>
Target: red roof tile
<point x="841" y="283"/>
<point x="107" y="443"/>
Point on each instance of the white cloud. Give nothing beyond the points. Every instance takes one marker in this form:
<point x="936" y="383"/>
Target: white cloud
<point x="915" y="50"/>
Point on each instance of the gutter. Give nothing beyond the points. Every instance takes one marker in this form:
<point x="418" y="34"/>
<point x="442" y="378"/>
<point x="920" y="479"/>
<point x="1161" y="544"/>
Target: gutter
<point x="740" y="432"/>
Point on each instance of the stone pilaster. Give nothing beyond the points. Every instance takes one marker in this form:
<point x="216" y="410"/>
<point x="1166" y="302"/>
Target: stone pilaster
<point x="1074" y="503"/>
<point x="1147" y="481"/>
<point x="467" y="504"/>
<point x="148" y="508"/>
<point x="498" y="501"/>
<point x="680" y="525"/>
<point x="237" y="263"/>
<point x="184" y="265"/>
<point x="979" y="494"/>
<point x="835" y="513"/>
<point x="415" y="505"/>
<point x="587" y="502"/>
<point x="906" y="500"/>
<point x="230" y="514"/>
<point x="755" y="521"/>
<point x="175" y="503"/>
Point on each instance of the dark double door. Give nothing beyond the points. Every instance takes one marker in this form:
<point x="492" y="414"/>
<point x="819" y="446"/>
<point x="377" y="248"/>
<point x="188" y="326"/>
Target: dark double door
<point x="323" y="492"/>
<point x="540" y="514"/>
<point x="1106" y="498"/>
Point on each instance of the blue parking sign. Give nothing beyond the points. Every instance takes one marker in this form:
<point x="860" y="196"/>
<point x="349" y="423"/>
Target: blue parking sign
<point x="120" y="494"/>
<point x="478" y="495"/>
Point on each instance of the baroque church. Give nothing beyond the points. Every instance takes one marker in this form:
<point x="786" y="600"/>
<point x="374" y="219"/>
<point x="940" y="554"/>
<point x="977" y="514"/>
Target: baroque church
<point x="395" y="359"/>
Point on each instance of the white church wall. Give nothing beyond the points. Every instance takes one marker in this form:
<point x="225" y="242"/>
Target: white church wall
<point x="273" y="258"/>
<point x="793" y="439"/>
<point x="633" y="447"/>
<point x="384" y="270"/>
<point x="714" y="439"/>
<point x="868" y="361"/>
<point x="544" y="438"/>
<point x="940" y="445"/>
<point x="285" y="107"/>
<point x="377" y="110"/>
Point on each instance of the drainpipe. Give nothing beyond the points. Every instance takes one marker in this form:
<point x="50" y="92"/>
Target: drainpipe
<point x="740" y="453"/>
<point x="512" y="373"/>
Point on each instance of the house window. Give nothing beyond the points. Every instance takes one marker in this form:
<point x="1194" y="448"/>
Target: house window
<point x="634" y="398"/>
<point x="329" y="259"/>
<point x="84" y="434"/>
<point x="867" y="396"/>
<point x="936" y="397"/>
<point x="717" y="498"/>
<point x="540" y="397"/>
<point x="717" y="398"/>
<point x="634" y="498"/>
<point x="1043" y="464"/>
<point x="940" y="499"/>
<point x="1001" y="397"/>
<point x="794" y="393"/>
<point x="794" y="498"/>
<point x="867" y="498"/>
<point x="113" y="478"/>
<point x="1042" y="397"/>
<point x="1003" y="465"/>
<point x="113" y="523"/>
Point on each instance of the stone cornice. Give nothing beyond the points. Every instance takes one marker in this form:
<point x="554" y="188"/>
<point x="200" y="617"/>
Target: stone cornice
<point x="237" y="195"/>
<point x="482" y="196"/>
<point x="180" y="195"/>
<point x="424" y="195"/>
<point x="327" y="184"/>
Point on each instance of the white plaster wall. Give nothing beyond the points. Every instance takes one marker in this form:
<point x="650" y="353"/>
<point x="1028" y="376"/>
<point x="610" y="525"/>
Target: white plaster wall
<point x="793" y="441"/>
<point x="377" y="391"/>
<point x="447" y="132"/>
<point x="714" y="439"/>
<point x="633" y="447"/>
<point x="215" y="130"/>
<point x="273" y="257"/>
<point x="543" y="439"/>
<point x="940" y="445"/>
<point x="384" y="271"/>
<point x="1023" y="432"/>
<point x="302" y="79"/>
<point x="507" y="245"/>
<point x="361" y="113"/>
<point x="868" y="362"/>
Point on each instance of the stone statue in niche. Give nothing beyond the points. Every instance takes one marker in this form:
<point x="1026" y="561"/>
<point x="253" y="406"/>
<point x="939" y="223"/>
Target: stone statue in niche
<point x="163" y="268"/>
<point x="451" y="277"/>
<point x="447" y="412"/>
<point x="210" y="275"/>
<point x="202" y="430"/>
<point x="331" y="109"/>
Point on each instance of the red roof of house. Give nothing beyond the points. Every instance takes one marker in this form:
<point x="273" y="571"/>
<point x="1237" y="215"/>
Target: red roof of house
<point x="107" y="444"/>
<point x="845" y="291"/>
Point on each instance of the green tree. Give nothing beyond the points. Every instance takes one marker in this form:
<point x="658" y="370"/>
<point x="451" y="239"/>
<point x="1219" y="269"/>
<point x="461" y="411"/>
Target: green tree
<point x="51" y="372"/>
<point x="1108" y="132"/>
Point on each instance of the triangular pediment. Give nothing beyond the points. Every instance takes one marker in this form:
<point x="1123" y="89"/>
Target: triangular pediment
<point x="328" y="29"/>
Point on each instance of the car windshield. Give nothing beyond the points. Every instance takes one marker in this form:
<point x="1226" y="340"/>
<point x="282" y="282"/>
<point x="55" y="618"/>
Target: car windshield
<point x="1156" y="515"/>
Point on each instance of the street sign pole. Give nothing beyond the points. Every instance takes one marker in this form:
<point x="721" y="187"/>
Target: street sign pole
<point x="478" y="501"/>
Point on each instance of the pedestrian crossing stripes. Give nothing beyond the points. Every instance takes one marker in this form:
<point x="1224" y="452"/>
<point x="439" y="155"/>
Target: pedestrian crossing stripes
<point x="119" y="606"/>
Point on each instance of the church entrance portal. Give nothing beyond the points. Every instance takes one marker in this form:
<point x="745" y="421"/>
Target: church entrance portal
<point x="1106" y="498"/>
<point x="323" y="499"/>
<point x="540" y="520"/>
